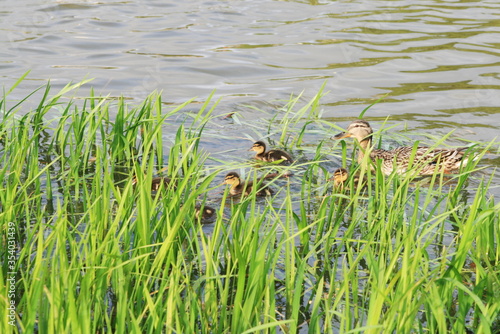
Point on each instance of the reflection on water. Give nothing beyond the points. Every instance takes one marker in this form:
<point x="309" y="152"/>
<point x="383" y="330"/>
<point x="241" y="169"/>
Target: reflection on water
<point x="428" y="55"/>
<point x="436" y="62"/>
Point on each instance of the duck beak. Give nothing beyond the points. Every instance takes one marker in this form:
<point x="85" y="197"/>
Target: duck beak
<point x="342" y="135"/>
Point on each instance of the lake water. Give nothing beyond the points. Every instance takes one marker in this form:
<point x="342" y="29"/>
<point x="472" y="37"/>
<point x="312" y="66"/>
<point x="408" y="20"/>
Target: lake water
<point x="437" y="61"/>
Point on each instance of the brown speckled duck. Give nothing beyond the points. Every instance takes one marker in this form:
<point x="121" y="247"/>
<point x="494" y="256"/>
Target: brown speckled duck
<point x="244" y="188"/>
<point x="427" y="160"/>
<point x="270" y="156"/>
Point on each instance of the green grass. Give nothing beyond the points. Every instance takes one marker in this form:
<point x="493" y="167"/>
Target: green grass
<point x="96" y="254"/>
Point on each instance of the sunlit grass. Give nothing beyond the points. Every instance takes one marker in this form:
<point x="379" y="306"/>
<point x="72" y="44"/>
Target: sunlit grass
<point x="96" y="253"/>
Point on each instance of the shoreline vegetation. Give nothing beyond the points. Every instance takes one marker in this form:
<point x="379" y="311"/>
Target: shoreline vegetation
<point x="85" y="248"/>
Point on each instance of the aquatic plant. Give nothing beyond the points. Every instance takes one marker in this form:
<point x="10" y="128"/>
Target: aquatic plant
<point x="90" y="252"/>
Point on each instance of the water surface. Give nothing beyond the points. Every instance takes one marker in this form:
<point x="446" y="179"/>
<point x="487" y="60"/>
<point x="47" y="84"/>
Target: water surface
<point x="436" y="62"/>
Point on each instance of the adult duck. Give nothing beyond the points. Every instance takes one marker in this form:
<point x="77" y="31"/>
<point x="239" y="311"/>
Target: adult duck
<point x="426" y="160"/>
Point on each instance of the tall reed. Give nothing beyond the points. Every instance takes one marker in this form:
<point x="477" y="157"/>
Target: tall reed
<point x="97" y="251"/>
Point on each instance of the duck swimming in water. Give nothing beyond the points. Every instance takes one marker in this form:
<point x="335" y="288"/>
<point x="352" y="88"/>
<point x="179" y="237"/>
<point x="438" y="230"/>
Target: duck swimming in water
<point x="340" y="175"/>
<point x="204" y="213"/>
<point x="156" y="182"/>
<point x="270" y="156"/>
<point x="426" y="159"/>
<point x="244" y="188"/>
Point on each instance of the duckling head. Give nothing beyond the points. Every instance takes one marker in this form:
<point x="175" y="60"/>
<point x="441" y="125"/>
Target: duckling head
<point x="156" y="182"/>
<point x="232" y="179"/>
<point x="361" y="130"/>
<point x="259" y="147"/>
<point x="340" y="174"/>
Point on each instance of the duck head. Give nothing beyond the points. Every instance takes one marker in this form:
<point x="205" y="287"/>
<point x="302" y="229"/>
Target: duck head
<point x="232" y="179"/>
<point x="361" y="130"/>
<point x="259" y="147"/>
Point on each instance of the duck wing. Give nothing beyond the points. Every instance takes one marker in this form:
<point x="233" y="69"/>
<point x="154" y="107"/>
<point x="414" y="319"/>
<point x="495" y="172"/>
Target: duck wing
<point x="448" y="160"/>
<point x="428" y="160"/>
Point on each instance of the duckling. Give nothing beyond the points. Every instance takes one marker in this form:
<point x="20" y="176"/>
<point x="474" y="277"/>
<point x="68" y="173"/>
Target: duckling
<point x="156" y="182"/>
<point x="239" y="188"/>
<point x="427" y="160"/>
<point x="340" y="175"/>
<point x="206" y="211"/>
<point x="270" y="156"/>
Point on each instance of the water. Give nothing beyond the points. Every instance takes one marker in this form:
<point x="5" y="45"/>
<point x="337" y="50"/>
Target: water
<point x="437" y="61"/>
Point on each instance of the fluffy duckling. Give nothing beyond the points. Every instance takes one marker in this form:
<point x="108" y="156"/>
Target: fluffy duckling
<point x="204" y="213"/>
<point x="245" y="188"/>
<point x="427" y="160"/>
<point x="270" y="156"/>
<point x="340" y="175"/>
<point x="156" y="182"/>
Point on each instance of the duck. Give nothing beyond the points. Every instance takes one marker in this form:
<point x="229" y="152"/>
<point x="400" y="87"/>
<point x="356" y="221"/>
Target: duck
<point x="270" y="156"/>
<point x="204" y="213"/>
<point x="340" y="175"/>
<point x="156" y="182"/>
<point x="428" y="160"/>
<point x="244" y="188"/>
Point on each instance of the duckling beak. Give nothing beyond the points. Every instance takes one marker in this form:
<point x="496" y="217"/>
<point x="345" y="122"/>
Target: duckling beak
<point x="337" y="179"/>
<point x="255" y="148"/>
<point x="342" y="135"/>
<point x="226" y="182"/>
